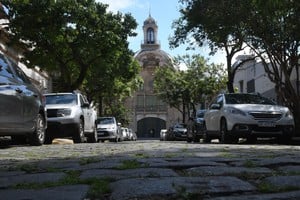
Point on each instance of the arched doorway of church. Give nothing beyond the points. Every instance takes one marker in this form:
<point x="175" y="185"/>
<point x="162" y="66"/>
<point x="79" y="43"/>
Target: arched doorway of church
<point x="150" y="127"/>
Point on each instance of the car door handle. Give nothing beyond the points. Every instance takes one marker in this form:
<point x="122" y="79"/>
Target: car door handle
<point x="18" y="90"/>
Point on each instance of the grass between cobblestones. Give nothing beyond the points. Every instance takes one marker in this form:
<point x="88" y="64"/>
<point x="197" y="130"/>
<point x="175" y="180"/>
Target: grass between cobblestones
<point x="98" y="187"/>
<point x="131" y="164"/>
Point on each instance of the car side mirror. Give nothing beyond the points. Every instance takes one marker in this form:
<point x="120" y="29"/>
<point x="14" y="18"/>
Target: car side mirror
<point x="215" y="106"/>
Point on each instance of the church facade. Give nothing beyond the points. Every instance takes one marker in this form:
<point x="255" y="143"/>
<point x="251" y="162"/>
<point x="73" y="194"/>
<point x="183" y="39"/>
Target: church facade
<point x="149" y="114"/>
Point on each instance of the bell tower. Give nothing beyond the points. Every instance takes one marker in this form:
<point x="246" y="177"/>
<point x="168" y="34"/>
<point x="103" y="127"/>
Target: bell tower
<point x="150" y="35"/>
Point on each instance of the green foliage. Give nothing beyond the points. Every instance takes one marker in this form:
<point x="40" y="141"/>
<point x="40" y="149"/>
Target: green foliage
<point x="270" y="28"/>
<point x="273" y="30"/>
<point x="213" y="23"/>
<point x="79" y="43"/>
<point x="131" y="164"/>
<point x="184" y="90"/>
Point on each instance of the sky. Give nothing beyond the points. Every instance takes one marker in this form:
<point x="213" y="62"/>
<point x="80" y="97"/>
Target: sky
<point x="164" y="12"/>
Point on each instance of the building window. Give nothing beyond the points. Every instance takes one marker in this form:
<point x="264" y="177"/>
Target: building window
<point x="150" y="36"/>
<point x="251" y="86"/>
<point x="150" y="103"/>
<point x="241" y="86"/>
<point x="140" y="102"/>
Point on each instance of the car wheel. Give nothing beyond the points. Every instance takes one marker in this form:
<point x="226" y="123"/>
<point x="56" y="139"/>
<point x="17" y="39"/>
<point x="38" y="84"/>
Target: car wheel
<point x="38" y="136"/>
<point x="79" y="135"/>
<point x="284" y="139"/>
<point x="189" y="140"/>
<point x="196" y="139"/>
<point x="18" y="139"/>
<point x="225" y="138"/>
<point x="206" y="138"/>
<point x="93" y="137"/>
<point x="251" y="140"/>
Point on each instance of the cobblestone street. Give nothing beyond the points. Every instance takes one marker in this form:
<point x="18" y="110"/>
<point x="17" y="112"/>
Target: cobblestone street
<point x="150" y="169"/>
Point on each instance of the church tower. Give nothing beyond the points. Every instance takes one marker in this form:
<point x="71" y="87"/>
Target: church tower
<point x="150" y="34"/>
<point x="149" y="114"/>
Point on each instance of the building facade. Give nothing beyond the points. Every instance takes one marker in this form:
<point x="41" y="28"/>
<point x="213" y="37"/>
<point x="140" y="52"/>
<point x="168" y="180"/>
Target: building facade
<point x="40" y="78"/>
<point x="149" y="114"/>
<point x="251" y="77"/>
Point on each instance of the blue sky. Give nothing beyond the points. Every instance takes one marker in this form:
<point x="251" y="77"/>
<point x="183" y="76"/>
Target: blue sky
<point x="164" y="12"/>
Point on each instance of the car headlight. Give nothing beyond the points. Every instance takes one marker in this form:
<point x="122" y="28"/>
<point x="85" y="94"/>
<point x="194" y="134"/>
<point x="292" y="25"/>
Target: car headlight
<point x="235" y="111"/>
<point x="111" y="128"/>
<point x="289" y="114"/>
<point x="63" y="112"/>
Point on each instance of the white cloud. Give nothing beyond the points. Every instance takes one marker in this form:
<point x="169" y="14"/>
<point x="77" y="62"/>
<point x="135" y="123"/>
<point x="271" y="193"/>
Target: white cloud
<point x="117" y="5"/>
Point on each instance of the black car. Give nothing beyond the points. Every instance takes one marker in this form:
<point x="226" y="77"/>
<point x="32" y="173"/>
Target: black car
<point x="177" y="132"/>
<point x="22" y="108"/>
<point x="196" y="131"/>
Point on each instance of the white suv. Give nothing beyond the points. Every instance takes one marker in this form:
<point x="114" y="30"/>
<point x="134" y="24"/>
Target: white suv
<point x="236" y="115"/>
<point x="70" y="115"/>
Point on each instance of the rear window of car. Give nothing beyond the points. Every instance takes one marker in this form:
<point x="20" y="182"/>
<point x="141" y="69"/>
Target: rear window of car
<point x="247" y="99"/>
<point x="61" y="99"/>
<point x="106" y="120"/>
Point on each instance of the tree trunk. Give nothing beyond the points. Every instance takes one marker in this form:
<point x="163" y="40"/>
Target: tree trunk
<point x="230" y="74"/>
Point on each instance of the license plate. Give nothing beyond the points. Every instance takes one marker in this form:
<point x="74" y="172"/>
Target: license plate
<point x="266" y="124"/>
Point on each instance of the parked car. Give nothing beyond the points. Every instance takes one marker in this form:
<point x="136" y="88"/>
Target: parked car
<point x="197" y="129"/>
<point x="163" y="134"/>
<point x="177" y="132"/>
<point x="22" y="106"/>
<point x="132" y="135"/>
<point x="108" y="129"/>
<point x="70" y="115"/>
<point x="234" y="116"/>
<point x="125" y="133"/>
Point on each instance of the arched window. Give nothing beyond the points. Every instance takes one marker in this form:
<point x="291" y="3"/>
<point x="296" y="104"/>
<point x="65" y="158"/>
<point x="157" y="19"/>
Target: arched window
<point x="150" y="36"/>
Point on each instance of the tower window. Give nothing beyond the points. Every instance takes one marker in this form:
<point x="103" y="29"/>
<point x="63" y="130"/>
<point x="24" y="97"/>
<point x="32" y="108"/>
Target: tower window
<point x="150" y="36"/>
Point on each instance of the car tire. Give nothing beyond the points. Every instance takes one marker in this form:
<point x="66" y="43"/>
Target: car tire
<point x="284" y="139"/>
<point x="189" y="140"/>
<point x="79" y="137"/>
<point x="37" y="138"/>
<point x="206" y="138"/>
<point x="225" y="137"/>
<point x="251" y="140"/>
<point x="18" y="139"/>
<point x="196" y="139"/>
<point x="93" y="136"/>
<point x="48" y="139"/>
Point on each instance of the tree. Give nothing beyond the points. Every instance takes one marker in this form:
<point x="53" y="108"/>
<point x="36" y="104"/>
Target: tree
<point x="68" y="38"/>
<point x="184" y="90"/>
<point x="110" y="90"/>
<point x="273" y="33"/>
<point x="213" y="23"/>
<point x="80" y="44"/>
<point x="169" y="86"/>
<point x="270" y="28"/>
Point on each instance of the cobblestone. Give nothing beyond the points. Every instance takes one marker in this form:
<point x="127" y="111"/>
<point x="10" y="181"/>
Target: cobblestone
<point x="150" y="169"/>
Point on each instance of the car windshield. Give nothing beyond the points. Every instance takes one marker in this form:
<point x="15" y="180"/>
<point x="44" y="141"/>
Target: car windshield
<point x="247" y="99"/>
<point x="105" y="121"/>
<point x="61" y="99"/>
